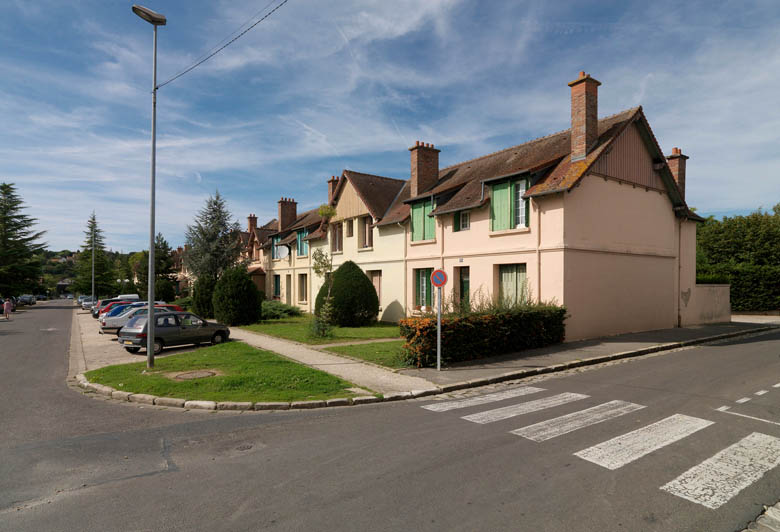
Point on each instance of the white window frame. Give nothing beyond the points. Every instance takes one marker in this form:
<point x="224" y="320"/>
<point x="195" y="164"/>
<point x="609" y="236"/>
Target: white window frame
<point x="465" y="221"/>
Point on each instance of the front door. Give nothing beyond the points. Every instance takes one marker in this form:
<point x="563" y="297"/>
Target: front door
<point x="288" y="289"/>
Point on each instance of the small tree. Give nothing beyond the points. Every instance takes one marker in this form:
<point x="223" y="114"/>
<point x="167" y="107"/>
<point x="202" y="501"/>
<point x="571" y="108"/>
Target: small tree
<point x="212" y="244"/>
<point x="164" y="290"/>
<point x="352" y="296"/>
<point x="236" y="299"/>
<point x="322" y="263"/>
<point x="202" y="295"/>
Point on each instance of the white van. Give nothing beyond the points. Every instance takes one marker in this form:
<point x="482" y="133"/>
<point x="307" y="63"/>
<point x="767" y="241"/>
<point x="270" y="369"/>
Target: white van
<point x="127" y="297"/>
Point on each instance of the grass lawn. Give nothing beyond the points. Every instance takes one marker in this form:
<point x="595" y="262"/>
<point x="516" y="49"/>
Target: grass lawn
<point x="297" y="329"/>
<point x="245" y="374"/>
<point x="386" y="354"/>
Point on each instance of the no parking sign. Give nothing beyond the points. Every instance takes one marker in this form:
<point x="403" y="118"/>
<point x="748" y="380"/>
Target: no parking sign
<point x="438" y="279"/>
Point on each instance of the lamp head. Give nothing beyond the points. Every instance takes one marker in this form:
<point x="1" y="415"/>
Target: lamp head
<point x="149" y="16"/>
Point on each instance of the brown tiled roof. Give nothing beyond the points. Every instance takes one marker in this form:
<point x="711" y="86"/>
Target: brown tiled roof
<point x="262" y="234"/>
<point x="289" y="239"/>
<point x="398" y="210"/>
<point x="244" y="237"/>
<point x="257" y="268"/>
<point x="305" y="219"/>
<point x="466" y="178"/>
<point x="270" y="225"/>
<point x="376" y="192"/>
<point x="318" y="233"/>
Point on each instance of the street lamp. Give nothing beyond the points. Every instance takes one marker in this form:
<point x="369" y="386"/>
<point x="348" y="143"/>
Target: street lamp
<point x="155" y="19"/>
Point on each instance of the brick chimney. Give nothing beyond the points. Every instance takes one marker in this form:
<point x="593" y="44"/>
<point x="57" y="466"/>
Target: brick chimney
<point x="288" y="212"/>
<point x="584" y="115"/>
<point x="251" y="223"/>
<point x="425" y="167"/>
<point x="332" y="182"/>
<point x="676" y="162"/>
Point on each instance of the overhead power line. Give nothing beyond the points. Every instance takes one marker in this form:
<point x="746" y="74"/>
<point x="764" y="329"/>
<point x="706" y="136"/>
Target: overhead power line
<point x="228" y="43"/>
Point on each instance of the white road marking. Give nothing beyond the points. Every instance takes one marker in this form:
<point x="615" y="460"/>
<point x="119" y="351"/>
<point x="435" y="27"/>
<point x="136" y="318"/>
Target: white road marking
<point x="506" y="412"/>
<point x="715" y="481"/>
<point x="761" y="392"/>
<point x="617" y="452"/>
<point x="558" y="426"/>
<point x="743" y="400"/>
<point x="776" y="385"/>
<point x="749" y="417"/>
<point x="482" y="399"/>
<point x="723" y="408"/>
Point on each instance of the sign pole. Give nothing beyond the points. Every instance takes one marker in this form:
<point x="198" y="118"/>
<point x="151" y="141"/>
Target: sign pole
<point x="438" y="330"/>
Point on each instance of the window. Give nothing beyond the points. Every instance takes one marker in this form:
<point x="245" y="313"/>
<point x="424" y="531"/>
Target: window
<point x="277" y="286"/>
<point x="423" y="226"/>
<point x="464" y="285"/>
<point x="337" y="237"/>
<point x="508" y="209"/>
<point x="349" y="228"/>
<point x="376" y="280"/>
<point x="275" y="247"/>
<point x="366" y="235"/>
<point x="302" y="286"/>
<point x="166" y="321"/>
<point x="303" y="245"/>
<point x="512" y="284"/>
<point x="423" y="290"/>
<point x="461" y="221"/>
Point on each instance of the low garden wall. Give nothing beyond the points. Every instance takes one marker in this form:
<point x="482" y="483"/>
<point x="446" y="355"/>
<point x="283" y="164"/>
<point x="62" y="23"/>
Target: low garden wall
<point x="476" y="336"/>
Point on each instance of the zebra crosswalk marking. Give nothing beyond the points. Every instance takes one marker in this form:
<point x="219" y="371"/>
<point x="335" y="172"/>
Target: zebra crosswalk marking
<point x="507" y="412"/>
<point x="715" y="481"/>
<point x="619" y="451"/>
<point x="482" y="399"/>
<point x="558" y="426"/>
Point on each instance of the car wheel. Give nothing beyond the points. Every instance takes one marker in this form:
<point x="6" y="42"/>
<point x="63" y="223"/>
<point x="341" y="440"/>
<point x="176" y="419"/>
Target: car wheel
<point x="158" y="346"/>
<point x="132" y="349"/>
<point x="218" y="338"/>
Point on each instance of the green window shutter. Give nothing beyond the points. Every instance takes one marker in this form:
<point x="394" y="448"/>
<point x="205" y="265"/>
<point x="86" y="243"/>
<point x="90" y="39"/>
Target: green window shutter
<point x="417" y="221"/>
<point x="428" y="286"/>
<point x="456" y="222"/>
<point x="527" y="203"/>
<point x="430" y="221"/>
<point x="500" y="203"/>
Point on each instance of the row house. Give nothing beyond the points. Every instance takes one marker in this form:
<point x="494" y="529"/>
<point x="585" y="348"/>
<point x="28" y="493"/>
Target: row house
<point x="593" y="217"/>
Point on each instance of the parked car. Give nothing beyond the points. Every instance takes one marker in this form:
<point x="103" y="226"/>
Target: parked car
<point x="171" y="329"/>
<point x="110" y="324"/>
<point x="26" y="299"/>
<point x="101" y="304"/>
<point x="108" y="308"/>
<point x="41" y="297"/>
<point x="86" y="304"/>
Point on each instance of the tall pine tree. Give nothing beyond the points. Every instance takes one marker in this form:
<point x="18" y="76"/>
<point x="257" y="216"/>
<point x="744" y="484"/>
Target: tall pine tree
<point x="105" y="277"/>
<point x="213" y="243"/>
<point x="20" y="269"/>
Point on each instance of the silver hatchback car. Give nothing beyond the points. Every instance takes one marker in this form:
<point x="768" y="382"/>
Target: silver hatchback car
<point x="171" y="329"/>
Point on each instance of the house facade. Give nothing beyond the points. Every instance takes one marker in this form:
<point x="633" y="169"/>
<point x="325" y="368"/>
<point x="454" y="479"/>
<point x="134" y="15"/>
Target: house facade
<point x="593" y="218"/>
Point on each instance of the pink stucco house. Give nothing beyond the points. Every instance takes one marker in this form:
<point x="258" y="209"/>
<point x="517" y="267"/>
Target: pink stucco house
<point x="593" y="218"/>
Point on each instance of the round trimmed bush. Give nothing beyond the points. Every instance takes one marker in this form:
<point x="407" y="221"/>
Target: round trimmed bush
<point x="236" y="299"/>
<point x="202" y="294"/>
<point x="353" y="297"/>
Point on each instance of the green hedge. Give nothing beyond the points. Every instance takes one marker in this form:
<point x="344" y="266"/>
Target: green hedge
<point x="355" y="302"/>
<point x="753" y="287"/>
<point x="477" y="336"/>
<point x="236" y="299"/>
<point x="276" y="310"/>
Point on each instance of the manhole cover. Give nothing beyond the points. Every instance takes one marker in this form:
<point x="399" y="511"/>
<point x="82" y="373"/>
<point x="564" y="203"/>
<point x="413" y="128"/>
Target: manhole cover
<point x="199" y="374"/>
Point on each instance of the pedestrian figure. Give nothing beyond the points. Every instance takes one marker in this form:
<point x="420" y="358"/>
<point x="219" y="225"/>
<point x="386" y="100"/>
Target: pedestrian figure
<point x="7" y="309"/>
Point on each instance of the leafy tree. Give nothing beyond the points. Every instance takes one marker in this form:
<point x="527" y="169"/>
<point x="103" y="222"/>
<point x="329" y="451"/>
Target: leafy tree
<point x="353" y="296"/>
<point x="202" y="296"/>
<point x="212" y="242"/>
<point x="105" y="276"/>
<point x="236" y="298"/>
<point x="20" y="269"/>
<point x="164" y="290"/>
<point x="163" y="262"/>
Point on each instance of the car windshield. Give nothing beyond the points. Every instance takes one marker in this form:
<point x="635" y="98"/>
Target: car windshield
<point x="136" y="322"/>
<point x="115" y="311"/>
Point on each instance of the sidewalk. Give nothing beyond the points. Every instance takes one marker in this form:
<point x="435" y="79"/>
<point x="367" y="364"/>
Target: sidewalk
<point x="573" y="354"/>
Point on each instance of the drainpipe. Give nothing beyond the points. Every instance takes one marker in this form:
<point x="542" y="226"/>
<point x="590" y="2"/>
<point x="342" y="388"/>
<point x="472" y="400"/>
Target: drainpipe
<point x="538" y="252"/>
<point x="679" y="271"/>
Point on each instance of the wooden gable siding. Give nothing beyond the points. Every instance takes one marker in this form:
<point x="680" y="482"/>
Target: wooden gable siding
<point x="349" y="204"/>
<point x="629" y="161"/>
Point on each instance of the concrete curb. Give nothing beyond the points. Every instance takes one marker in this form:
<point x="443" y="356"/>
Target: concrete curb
<point x="769" y="521"/>
<point x="360" y="400"/>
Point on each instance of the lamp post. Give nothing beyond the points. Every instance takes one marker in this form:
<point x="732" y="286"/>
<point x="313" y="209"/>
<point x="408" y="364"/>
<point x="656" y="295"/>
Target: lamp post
<point x="155" y="19"/>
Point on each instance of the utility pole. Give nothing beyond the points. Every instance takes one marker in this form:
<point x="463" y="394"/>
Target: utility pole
<point x="93" y="258"/>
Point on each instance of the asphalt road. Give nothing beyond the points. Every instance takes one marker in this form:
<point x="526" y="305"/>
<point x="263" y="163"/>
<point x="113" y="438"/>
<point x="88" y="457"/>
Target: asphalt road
<point x="69" y="461"/>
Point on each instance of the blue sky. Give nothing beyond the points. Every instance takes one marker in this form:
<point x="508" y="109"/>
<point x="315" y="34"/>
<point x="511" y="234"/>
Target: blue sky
<point x="324" y="86"/>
